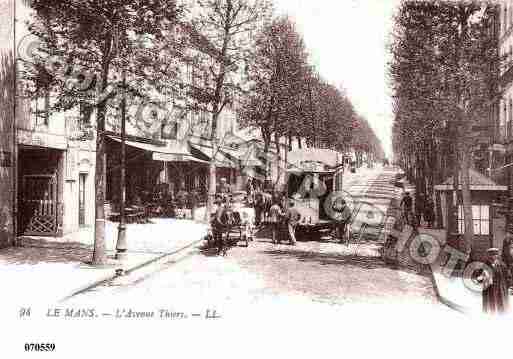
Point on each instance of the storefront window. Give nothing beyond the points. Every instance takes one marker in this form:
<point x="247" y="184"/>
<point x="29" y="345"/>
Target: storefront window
<point x="480" y="219"/>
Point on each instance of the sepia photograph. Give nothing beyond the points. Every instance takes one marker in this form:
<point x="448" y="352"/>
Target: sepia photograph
<point x="250" y="178"/>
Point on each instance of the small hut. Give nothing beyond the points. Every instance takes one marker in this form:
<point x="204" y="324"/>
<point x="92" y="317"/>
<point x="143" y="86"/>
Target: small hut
<point x="489" y="222"/>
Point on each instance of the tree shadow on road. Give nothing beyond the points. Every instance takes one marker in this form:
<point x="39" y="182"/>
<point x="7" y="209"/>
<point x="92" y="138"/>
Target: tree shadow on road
<point x="337" y="259"/>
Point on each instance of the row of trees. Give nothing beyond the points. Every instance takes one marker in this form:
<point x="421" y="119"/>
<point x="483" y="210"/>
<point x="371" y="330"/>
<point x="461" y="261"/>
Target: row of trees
<point x="443" y="70"/>
<point x="92" y="53"/>
<point x="287" y="99"/>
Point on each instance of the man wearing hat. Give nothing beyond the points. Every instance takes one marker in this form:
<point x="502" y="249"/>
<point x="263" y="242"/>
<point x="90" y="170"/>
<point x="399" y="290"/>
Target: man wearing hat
<point x="292" y="218"/>
<point x="224" y="187"/>
<point x="222" y="222"/>
<point x="507" y="256"/>
<point x="341" y="215"/>
<point x="495" y="282"/>
<point x="406" y="206"/>
<point x="275" y="218"/>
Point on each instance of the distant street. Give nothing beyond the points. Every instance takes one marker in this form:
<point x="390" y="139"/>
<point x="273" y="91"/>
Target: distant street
<point x="266" y="274"/>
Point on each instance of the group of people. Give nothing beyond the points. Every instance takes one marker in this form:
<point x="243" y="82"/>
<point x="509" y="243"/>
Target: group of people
<point x="424" y="209"/>
<point x="165" y="202"/>
<point x="283" y="220"/>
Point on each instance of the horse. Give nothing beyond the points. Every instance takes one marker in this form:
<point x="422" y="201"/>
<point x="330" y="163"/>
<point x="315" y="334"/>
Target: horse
<point x="222" y="226"/>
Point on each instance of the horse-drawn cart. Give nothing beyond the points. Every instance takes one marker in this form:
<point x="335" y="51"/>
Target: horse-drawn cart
<point x="234" y="226"/>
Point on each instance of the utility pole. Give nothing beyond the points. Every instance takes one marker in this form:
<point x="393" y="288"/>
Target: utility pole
<point x="121" y="242"/>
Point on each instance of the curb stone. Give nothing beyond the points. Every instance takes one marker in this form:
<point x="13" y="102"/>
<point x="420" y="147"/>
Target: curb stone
<point x="107" y="278"/>
<point x="445" y="301"/>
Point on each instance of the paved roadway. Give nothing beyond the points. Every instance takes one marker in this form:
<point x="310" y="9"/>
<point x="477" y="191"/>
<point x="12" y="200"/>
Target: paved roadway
<point x="280" y="276"/>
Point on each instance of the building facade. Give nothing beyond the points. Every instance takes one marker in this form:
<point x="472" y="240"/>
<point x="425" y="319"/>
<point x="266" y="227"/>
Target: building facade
<point x="7" y="100"/>
<point x="501" y="148"/>
<point x="47" y="159"/>
<point x="54" y="158"/>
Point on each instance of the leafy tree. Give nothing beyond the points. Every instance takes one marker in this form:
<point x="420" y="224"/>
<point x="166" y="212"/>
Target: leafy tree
<point x="443" y="71"/>
<point x="224" y="47"/>
<point x="85" y="45"/>
<point x="274" y="97"/>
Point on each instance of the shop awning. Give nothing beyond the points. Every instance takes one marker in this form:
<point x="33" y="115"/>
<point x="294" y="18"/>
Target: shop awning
<point x="244" y="156"/>
<point x="478" y="182"/>
<point x="205" y="151"/>
<point x="173" y="157"/>
<point x="162" y="153"/>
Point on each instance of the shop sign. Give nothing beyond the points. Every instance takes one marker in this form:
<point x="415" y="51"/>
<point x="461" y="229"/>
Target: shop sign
<point x="169" y="157"/>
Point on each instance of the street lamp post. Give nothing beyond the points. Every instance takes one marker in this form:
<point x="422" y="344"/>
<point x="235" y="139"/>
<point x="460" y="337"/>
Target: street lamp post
<point x="121" y="245"/>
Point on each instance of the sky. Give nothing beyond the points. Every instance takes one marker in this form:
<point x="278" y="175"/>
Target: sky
<point x="348" y="41"/>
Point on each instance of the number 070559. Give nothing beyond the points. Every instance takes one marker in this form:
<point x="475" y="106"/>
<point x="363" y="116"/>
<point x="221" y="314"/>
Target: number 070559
<point x="39" y="347"/>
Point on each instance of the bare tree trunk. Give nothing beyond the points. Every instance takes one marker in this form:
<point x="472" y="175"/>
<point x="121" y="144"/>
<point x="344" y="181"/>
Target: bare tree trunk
<point x="267" y="143"/>
<point x="212" y="170"/>
<point x="278" y="159"/>
<point x="467" y="200"/>
<point x="454" y="203"/>
<point x="99" y="252"/>
<point x="216" y="108"/>
<point x="212" y="173"/>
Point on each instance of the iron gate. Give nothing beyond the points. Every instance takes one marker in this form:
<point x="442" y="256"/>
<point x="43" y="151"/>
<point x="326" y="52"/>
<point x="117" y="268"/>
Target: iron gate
<point x="39" y="205"/>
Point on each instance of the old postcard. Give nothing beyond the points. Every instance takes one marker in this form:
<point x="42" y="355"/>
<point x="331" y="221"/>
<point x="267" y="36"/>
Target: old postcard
<point x="186" y="178"/>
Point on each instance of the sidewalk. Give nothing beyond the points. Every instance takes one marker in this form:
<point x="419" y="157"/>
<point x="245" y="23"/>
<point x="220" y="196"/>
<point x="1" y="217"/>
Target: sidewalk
<point x="451" y="287"/>
<point x="51" y="269"/>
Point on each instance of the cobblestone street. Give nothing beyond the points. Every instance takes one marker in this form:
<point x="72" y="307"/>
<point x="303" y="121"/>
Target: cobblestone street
<point x="320" y="272"/>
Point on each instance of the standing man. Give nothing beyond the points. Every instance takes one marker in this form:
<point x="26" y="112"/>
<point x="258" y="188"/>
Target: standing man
<point x="292" y="218"/>
<point x="249" y="190"/>
<point x="261" y="205"/>
<point x="257" y="199"/>
<point x="507" y="256"/>
<point x="406" y="206"/>
<point x="429" y="212"/>
<point x="193" y="201"/>
<point x="342" y="216"/>
<point x="275" y="218"/>
<point x="224" y="187"/>
<point x="495" y="293"/>
<point x="221" y="224"/>
<point x="419" y="208"/>
<point x="181" y="198"/>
